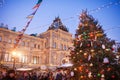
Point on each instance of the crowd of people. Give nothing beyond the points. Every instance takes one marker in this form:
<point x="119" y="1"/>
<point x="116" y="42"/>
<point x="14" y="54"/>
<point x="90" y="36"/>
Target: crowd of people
<point x="34" y="75"/>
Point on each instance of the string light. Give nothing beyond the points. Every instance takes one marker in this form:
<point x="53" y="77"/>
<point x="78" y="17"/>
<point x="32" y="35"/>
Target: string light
<point x="104" y="6"/>
<point x="90" y="11"/>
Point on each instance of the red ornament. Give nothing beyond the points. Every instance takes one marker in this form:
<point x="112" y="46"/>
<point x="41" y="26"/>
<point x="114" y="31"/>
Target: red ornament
<point x="108" y="69"/>
<point x="87" y="71"/>
<point x="88" y="45"/>
<point x="112" y="49"/>
<point x="113" y="76"/>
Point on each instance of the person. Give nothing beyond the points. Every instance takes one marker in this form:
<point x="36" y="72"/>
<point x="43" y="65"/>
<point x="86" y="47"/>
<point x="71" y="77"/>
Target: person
<point x="10" y="75"/>
<point x="59" y="76"/>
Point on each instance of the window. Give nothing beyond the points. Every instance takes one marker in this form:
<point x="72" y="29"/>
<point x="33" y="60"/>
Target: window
<point x="24" y="59"/>
<point x="38" y="46"/>
<point x="35" y="45"/>
<point x="54" y="44"/>
<point x="14" y="41"/>
<point x="34" y="59"/>
<point x="45" y="45"/>
<point x="61" y="46"/>
<point x="64" y="47"/>
<point x="6" y="57"/>
<point x="27" y="44"/>
<point x="23" y="43"/>
<point x="0" y="38"/>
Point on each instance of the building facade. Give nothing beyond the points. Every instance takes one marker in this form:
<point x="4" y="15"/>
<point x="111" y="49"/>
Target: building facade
<point x="50" y="49"/>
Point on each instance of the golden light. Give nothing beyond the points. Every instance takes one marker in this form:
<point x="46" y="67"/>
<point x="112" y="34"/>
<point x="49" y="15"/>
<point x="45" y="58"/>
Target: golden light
<point x="85" y="54"/>
<point x="75" y="69"/>
<point x="14" y="53"/>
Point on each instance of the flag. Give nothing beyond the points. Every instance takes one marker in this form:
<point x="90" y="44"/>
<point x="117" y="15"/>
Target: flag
<point x="31" y="15"/>
<point x="38" y="4"/>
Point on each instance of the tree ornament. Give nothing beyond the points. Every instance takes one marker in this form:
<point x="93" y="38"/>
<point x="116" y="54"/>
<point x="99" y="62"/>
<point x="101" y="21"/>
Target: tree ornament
<point x="85" y="37"/>
<point x="85" y="54"/>
<point x="107" y="49"/>
<point x="91" y="35"/>
<point x="98" y="74"/>
<point x="108" y="69"/>
<point x="102" y="75"/>
<point x="80" y="68"/>
<point x="91" y="43"/>
<point x="80" y="37"/>
<point x="99" y="34"/>
<point x="103" y="46"/>
<point x="91" y="64"/>
<point x="81" y="77"/>
<point x="87" y="70"/>
<point x="89" y="57"/>
<point x="95" y="38"/>
<point x="92" y="50"/>
<point x="72" y="73"/>
<point x="86" y="24"/>
<point x="105" y="60"/>
<point x="112" y="49"/>
<point x="81" y="44"/>
<point x="89" y="74"/>
<point x="88" y="45"/>
<point x="80" y="24"/>
<point x="80" y="50"/>
<point x="84" y="33"/>
<point x="75" y="69"/>
<point x="113" y="76"/>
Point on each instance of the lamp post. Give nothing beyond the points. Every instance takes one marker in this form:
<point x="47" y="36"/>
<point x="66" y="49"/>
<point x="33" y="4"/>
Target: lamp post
<point x="14" y="62"/>
<point x="15" y="56"/>
<point x="14" y="59"/>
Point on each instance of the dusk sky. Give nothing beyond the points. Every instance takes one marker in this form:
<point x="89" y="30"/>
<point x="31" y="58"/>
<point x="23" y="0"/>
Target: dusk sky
<point x="14" y="13"/>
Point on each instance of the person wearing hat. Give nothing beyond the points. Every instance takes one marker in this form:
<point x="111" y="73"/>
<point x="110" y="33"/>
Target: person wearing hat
<point x="10" y="75"/>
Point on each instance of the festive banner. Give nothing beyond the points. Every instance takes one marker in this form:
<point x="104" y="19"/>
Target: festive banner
<point x="19" y="37"/>
<point x="38" y="4"/>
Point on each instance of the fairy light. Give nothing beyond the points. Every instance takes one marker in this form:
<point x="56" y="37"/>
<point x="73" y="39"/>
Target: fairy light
<point x="90" y="11"/>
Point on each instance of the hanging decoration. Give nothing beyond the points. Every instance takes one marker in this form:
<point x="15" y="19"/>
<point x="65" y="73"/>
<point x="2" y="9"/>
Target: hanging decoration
<point x="30" y="17"/>
<point x="105" y="60"/>
<point x="89" y="57"/>
<point x="103" y="46"/>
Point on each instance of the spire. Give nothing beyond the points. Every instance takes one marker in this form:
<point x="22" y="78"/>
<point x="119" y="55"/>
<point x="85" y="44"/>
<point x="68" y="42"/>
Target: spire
<point x="57" y="24"/>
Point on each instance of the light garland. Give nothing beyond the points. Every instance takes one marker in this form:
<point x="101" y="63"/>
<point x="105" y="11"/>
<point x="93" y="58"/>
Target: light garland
<point x="90" y="11"/>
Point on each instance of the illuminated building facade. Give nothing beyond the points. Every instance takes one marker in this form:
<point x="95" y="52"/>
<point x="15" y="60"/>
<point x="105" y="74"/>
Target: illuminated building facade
<point x="50" y="48"/>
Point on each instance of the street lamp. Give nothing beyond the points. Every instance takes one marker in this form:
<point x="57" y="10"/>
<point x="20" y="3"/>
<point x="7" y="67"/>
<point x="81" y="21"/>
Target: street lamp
<point x="14" y="59"/>
<point x="15" y="55"/>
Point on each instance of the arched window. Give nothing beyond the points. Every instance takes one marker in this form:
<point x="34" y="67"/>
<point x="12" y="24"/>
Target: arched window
<point x="0" y="38"/>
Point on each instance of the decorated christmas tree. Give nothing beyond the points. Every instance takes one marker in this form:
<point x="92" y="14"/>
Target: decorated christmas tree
<point x="92" y="55"/>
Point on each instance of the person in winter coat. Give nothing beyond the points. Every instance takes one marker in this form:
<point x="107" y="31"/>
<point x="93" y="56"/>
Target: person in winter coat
<point x="10" y="75"/>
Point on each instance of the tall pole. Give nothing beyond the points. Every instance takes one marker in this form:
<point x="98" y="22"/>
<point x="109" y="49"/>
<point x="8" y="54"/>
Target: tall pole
<point x="14" y="62"/>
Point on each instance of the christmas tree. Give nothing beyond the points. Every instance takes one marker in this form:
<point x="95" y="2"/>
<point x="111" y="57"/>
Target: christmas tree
<point x="92" y="55"/>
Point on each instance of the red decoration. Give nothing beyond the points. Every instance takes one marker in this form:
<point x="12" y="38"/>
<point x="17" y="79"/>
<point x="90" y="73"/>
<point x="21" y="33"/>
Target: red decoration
<point x="113" y="76"/>
<point x="112" y="49"/>
<point x="80" y="68"/>
<point x="88" y="45"/>
<point x="108" y="69"/>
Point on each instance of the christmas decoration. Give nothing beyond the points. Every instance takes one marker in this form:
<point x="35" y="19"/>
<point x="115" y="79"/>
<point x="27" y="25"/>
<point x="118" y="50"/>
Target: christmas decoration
<point x="94" y="58"/>
<point x="105" y="60"/>
<point x="30" y="17"/>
